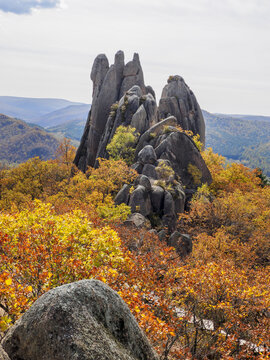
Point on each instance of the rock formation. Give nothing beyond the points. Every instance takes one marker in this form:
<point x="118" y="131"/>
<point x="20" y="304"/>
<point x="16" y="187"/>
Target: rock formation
<point x="110" y="83"/>
<point x="178" y="100"/>
<point x="82" y="320"/>
<point x="168" y="162"/>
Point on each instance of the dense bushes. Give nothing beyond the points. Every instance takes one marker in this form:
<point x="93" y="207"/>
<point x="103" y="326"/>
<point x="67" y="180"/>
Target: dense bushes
<point x="59" y="225"/>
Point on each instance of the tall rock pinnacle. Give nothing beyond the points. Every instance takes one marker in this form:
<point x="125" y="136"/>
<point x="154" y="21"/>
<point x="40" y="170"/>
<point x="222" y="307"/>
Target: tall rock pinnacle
<point x="109" y="84"/>
<point x="178" y="100"/>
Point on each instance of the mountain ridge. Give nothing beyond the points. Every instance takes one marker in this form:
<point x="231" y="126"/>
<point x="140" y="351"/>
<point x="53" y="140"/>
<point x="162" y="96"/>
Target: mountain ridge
<point x="20" y="141"/>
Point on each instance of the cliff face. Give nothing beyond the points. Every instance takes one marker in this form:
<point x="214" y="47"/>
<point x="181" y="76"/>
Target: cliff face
<point x="120" y="97"/>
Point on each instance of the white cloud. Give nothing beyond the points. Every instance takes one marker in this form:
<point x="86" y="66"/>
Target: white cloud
<point x="220" y="47"/>
<point x="26" y="6"/>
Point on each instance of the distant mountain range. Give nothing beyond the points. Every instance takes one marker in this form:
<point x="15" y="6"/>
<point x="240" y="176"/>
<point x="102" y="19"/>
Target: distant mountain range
<point x="244" y="138"/>
<point x="64" y="115"/>
<point x="20" y="141"/>
<point x="61" y="118"/>
<point x="246" y="117"/>
<point x="34" y="109"/>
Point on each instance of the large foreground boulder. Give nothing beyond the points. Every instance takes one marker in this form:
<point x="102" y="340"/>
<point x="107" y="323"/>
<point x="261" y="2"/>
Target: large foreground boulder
<point x="85" y="320"/>
<point x="3" y="354"/>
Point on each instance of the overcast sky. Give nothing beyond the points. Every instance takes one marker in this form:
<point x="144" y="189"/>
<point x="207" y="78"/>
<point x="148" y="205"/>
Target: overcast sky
<point x="220" y="47"/>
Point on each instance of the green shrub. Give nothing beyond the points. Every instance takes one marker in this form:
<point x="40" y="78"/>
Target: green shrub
<point x="123" y="143"/>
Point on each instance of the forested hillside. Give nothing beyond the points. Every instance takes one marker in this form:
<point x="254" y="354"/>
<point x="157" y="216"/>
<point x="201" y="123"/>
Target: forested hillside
<point x="19" y="141"/>
<point x="56" y="228"/>
<point x="240" y="139"/>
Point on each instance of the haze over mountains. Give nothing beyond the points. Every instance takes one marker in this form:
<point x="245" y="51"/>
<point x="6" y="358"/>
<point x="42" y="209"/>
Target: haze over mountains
<point x="41" y="111"/>
<point x="244" y="138"/>
<point x="20" y="141"/>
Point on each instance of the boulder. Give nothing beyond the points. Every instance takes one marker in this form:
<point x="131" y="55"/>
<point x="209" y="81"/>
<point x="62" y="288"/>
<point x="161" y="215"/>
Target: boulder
<point x="149" y="170"/>
<point x="140" y="201"/>
<point x="169" y="217"/>
<point x="3" y="354"/>
<point x="154" y="132"/>
<point x="138" y="220"/>
<point x="144" y="181"/>
<point x="138" y="167"/>
<point x="162" y="235"/>
<point x="123" y="195"/>
<point x="181" y="242"/>
<point x="157" y="198"/>
<point x="185" y="159"/>
<point x="139" y="119"/>
<point x="147" y="155"/>
<point x="81" y="320"/>
<point x="168" y="204"/>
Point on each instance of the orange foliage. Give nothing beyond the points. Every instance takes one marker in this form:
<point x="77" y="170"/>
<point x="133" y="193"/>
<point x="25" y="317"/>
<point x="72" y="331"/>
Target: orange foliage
<point x="212" y="305"/>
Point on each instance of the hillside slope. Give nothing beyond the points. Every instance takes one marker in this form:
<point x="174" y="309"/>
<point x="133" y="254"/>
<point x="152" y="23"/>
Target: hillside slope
<point x="239" y="139"/>
<point x="64" y="115"/>
<point x="20" y="141"/>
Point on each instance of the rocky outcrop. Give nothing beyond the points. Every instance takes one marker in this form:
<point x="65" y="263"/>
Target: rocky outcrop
<point x="110" y="84"/>
<point x="169" y="164"/>
<point x="178" y="100"/>
<point x="174" y="168"/>
<point x="82" y="320"/>
<point x="134" y="109"/>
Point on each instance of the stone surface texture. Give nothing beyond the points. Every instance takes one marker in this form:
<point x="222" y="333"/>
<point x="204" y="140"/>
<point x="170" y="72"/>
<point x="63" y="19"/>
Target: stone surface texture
<point x="85" y="320"/>
<point x="3" y="354"/>
<point x="178" y="100"/>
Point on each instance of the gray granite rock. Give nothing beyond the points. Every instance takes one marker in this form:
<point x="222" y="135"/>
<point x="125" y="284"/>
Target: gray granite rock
<point x="185" y="159"/>
<point x="181" y="242"/>
<point x="159" y="138"/>
<point x="177" y="99"/>
<point x="150" y="171"/>
<point x="3" y="354"/>
<point x="140" y="201"/>
<point x="154" y="132"/>
<point x="162" y="235"/>
<point x="144" y="181"/>
<point x="138" y="120"/>
<point x="81" y="320"/>
<point x="123" y="195"/>
<point x="138" y="167"/>
<point x="157" y="199"/>
<point x="130" y="112"/>
<point x="110" y="83"/>
<point x="138" y="220"/>
<point x="147" y="155"/>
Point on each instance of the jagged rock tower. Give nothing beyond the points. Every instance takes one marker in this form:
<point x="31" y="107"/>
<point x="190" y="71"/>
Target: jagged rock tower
<point x="110" y="83"/>
<point x="120" y="97"/>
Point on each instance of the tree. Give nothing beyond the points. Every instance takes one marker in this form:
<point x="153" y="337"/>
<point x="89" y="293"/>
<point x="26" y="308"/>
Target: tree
<point x="123" y="143"/>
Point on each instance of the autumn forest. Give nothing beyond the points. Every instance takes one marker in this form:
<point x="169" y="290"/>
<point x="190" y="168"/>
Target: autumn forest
<point x="59" y="225"/>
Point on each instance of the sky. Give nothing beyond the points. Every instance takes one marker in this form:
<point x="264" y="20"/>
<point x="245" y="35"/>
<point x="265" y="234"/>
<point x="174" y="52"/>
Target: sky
<point x="220" y="47"/>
